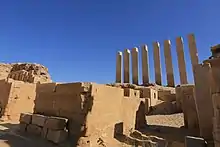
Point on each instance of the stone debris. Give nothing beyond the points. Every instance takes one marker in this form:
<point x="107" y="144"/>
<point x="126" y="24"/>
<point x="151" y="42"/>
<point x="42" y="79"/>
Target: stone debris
<point x="48" y="127"/>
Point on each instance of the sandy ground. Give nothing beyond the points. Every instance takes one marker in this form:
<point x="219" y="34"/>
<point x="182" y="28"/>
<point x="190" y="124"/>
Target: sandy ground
<point x="10" y="137"/>
<point x="163" y="126"/>
<point x="174" y="120"/>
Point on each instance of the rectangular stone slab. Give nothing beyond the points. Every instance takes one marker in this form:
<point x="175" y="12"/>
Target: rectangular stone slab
<point x="38" y="120"/>
<point x="25" y="118"/>
<point x="56" y="136"/>
<point x="56" y="123"/>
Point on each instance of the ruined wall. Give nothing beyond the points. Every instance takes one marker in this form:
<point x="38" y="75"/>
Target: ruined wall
<point x="5" y="89"/>
<point x="93" y="110"/>
<point x="65" y="100"/>
<point x="186" y="94"/>
<point x="21" y="99"/>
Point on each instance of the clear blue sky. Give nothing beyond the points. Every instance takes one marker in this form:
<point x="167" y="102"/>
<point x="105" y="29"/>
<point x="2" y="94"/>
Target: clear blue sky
<point x="78" y="39"/>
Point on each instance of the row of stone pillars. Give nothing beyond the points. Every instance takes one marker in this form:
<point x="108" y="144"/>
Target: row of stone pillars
<point x="157" y="62"/>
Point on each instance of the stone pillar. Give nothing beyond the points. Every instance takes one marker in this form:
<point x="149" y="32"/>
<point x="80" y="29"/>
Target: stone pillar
<point x="157" y="66"/>
<point x="168" y="62"/>
<point x="134" y="54"/>
<point x="181" y="60"/>
<point x="118" y="67"/>
<point x="126" y="58"/>
<point x="203" y="99"/>
<point x="193" y="50"/>
<point x="145" y="67"/>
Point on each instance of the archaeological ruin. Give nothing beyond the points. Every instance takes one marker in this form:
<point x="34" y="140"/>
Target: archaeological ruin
<point x="128" y="112"/>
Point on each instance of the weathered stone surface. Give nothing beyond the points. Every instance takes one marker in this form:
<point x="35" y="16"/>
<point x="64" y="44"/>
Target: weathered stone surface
<point x="19" y="100"/>
<point x="147" y="105"/>
<point x="157" y="66"/>
<point x="189" y="106"/>
<point x="57" y="136"/>
<point x="179" y="100"/>
<point x="44" y="132"/>
<point x="131" y="93"/>
<point x="141" y="121"/>
<point x="38" y="120"/>
<point x="168" y="63"/>
<point x="134" y="54"/>
<point x="126" y="61"/>
<point x="55" y="123"/>
<point x="83" y="142"/>
<point x="119" y="67"/>
<point x="203" y="99"/>
<point x="150" y="93"/>
<point x="37" y="73"/>
<point x="145" y="65"/>
<point x="194" y="142"/>
<point x="215" y="70"/>
<point x="22" y="127"/>
<point x="193" y="50"/>
<point x="73" y="88"/>
<point x="33" y="129"/>
<point x="5" y="70"/>
<point x="181" y="60"/>
<point x="25" y="118"/>
<point x="163" y="93"/>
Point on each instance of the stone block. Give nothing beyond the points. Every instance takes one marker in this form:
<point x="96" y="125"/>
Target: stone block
<point x="170" y="98"/>
<point x="73" y="87"/>
<point x="57" y="136"/>
<point x="147" y="105"/>
<point x="23" y="127"/>
<point x="131" y="93"/>
<point x="150" y="93"/>
<point x="44" y="132"/>
<point x="179" y="100"/>
<point x="34" y="129"/>
<point x="38" y="119"/>
<point x="56" y="123"/>
<point x="163" y="93"/>
<point x="25" y="118"/>
<point x="46" y="87"/>
<point x="189" y="106"/>
<point x="203" y="98"/>
<point x="194" y="142"/>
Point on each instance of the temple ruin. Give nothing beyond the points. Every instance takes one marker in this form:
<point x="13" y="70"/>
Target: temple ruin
<point x="129" y="112"/>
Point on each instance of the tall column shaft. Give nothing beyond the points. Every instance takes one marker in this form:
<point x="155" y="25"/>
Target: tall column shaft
<point x="168" y="63"/>
<point x="193" y="50"/>
<point x="145" y="65"/>
<point x="181" y="60"/>
<point x="119" y="67"/>
<point x="126" y="59"/>
<point x="157" y="66"/>
<point x="134" y="54"/>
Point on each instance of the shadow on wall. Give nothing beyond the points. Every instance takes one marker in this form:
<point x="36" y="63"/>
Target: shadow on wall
<point x="71" y="100"/>
<point x="140" y="123"/>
